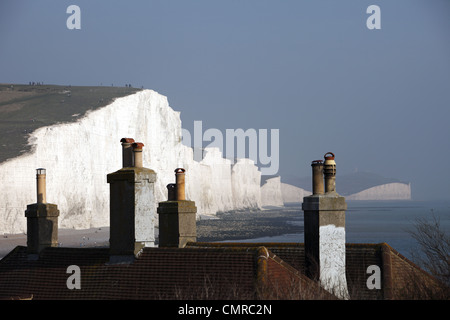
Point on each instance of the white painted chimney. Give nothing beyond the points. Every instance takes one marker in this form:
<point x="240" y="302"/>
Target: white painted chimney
<point x="324" y="223"/>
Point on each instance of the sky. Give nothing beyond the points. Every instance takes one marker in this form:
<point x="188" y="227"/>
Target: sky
<point x="379" y="99"/>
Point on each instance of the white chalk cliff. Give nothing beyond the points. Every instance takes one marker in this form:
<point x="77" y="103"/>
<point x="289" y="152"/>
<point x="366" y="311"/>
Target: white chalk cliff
<point x="389" y="191"/>
<point x="292" y="193"/>
<point x="271" y="194"/>
<point x="79" y="155"/>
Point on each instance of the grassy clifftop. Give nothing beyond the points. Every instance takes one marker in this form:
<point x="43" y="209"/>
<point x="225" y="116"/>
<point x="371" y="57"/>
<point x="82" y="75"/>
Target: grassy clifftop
<point x="25" y="108"/>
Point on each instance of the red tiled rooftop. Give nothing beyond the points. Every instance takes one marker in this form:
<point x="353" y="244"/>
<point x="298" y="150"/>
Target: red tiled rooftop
<point x="157" y="273"/>
<point x="399" y="275"/>
<point x="201" y="271"/>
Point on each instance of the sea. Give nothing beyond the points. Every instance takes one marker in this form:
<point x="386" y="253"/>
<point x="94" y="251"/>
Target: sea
<point x="381" y="221"/>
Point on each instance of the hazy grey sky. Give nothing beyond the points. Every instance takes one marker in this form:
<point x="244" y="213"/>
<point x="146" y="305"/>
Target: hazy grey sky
<point x="378" y="99"/>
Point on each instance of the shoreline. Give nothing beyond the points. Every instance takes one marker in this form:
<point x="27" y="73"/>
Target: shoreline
<point x="251" y="225"/>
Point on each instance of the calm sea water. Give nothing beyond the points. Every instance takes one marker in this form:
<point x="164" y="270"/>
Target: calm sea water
<point x="390" y="221"/>
<point x="381" y="221"/>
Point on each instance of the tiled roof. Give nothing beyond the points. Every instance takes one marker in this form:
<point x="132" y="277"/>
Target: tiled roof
<point x="400" y="278"/>
<point x="157" y="273"/>
<point x="202" y="271"/>
<point x="292" y="253"/>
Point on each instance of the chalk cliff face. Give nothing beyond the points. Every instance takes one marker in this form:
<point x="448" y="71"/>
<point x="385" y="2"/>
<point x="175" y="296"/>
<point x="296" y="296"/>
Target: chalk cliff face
<point x="79" y="155"/>
<point x="271" y="194"/>
<point x="246" y="181"/>
<point x="390" y="191"/>
<point x="292" y="193"/>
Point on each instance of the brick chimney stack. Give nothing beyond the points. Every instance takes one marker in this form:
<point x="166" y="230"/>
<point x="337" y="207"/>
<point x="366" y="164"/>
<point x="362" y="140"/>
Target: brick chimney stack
<point x="42" y="219"/>
<point x="324" y="223"/>
<point x="132" y="205"/>
<point x="177" y="216"/>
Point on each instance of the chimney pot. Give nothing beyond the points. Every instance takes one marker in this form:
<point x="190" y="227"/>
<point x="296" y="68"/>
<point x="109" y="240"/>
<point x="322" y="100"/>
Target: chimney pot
<point x="171" y="192"/>
<point x="180" y="183"/>
<point x="127" y="152"/>
<point x="137" y="150"/>
<point x="317" y="177"/>
<point x="329" y="171"/>
<point x="41" y="185"/>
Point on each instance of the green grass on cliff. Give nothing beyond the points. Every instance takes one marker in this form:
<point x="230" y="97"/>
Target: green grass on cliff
<point x="25" y="108"/>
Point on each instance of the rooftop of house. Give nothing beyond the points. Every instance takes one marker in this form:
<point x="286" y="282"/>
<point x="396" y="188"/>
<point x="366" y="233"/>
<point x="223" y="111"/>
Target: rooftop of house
<point x="197" y="272"/>
<point x="202" y="271"/>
